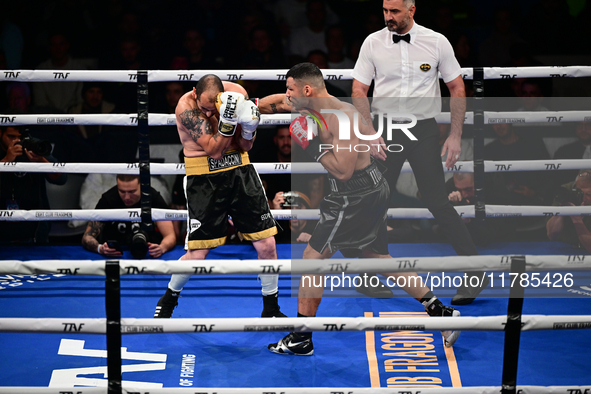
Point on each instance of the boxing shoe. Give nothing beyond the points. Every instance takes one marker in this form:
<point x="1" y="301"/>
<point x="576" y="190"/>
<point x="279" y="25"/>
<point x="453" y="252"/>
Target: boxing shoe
<point x="293" y="344"/>
<point x="467" y="294"/>
<point x="271" y="306"/>
<point x="435" y="308"/>
<point x="166" y="304"/>
<point x="380" y="291"/>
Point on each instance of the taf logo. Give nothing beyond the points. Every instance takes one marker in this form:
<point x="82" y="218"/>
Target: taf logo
<point x="185" y="77"/>
<point x="203" y="327"/>
<point x="333" y="327"/>
<point x="72" y="327"/>
<point x="7" y="119"/>
<point x="133" y="214"/>
<point x="60" y="75"/>
<point x="11" y="74"/>
<point x="425" y="67"/>
<point x="334" y="77"/>
<point x="508" y="76"/>
<point x="554" y="118"/>
<point x="234" y="77"/>
<point x="269" y="269"/>
<point x="281" y="77"/>
<point x="132" y="77"/>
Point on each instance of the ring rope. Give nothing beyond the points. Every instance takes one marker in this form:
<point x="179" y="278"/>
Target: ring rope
<point x="294" y="266"/>
<point x="266" y="75"/>
<point x="133" y="214"/>
<point x="154" y="119"/>
<point x="295" y="324"/>
<point x="285" y="168"/>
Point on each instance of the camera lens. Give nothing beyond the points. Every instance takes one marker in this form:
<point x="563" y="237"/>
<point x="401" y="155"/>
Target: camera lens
<point x="139" y="245"/>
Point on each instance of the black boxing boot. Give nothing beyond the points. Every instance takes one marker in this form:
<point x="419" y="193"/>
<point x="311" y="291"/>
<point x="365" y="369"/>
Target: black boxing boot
<point x="271" y="306"/>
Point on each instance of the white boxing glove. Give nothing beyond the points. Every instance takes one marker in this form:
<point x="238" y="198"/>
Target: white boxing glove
<point x="249" y="118"/>
<point x="228" y="104"/>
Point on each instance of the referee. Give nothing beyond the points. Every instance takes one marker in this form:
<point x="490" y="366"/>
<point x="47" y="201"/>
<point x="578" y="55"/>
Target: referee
<point x="404" y="60"/>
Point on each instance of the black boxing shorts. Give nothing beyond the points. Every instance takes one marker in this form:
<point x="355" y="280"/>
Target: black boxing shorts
<point x="353" y="215"/>
<point x="216" y="189"/>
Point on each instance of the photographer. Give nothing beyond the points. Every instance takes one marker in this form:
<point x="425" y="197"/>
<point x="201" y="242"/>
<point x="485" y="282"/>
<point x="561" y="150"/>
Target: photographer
<point x="299" y="230"/>
<point x="107" y="238"/>
<point x="572" y="229"/>
<point x="25" y="190"/>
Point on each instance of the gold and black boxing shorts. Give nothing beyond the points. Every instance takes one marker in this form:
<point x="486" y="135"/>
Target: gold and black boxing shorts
<point x="216" y="189"/>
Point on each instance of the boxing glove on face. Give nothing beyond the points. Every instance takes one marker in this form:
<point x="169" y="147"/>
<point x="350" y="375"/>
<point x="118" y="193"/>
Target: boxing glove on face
<point x="249" y="118"/>
<point x="227" y="104"/>
<point x="310" y="142"/>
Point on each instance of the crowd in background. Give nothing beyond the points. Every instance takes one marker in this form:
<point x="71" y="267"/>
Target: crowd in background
<point x="267" y="34"/>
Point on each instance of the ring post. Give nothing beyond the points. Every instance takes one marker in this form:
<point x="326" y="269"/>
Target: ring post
<point x="478" y="130"/>
<point x="513" y="328"/>
<point x="113" y="308"/>
<point x="144" y="151"/>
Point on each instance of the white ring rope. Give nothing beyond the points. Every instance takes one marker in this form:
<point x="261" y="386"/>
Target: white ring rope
<point x="154" y="119"/>
<point x="265" y="75"/>
<point x="133" y="214"/>
<point x="297" y="324"/>
<point x="284" y="168"/>
<point x="295" y="266"/>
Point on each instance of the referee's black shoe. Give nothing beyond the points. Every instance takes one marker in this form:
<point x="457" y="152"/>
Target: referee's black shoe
<point x="379" y="290"/>
<point x="166" y="304"/>
<point x="467" y="294"/>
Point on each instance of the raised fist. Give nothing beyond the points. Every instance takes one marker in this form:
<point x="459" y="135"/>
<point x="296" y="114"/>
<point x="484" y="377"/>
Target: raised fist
<point x="227" y="104"/>
<point x="249" y="118"/>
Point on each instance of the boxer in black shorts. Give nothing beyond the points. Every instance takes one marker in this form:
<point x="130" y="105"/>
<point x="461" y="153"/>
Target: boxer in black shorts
<point x="353" y="215"/>
<point x="217" y="124"/>
<point x="218" y="188"/>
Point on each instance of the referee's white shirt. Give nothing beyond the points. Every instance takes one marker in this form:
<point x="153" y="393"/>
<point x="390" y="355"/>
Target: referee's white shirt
<point x="407" y="70"/>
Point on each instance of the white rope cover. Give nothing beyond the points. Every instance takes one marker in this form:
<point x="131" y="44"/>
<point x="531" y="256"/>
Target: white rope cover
<point x="128" y="388"/>
<point x="295" y="266"/>
<point x="134" y="214"/>
<point x="264" y="75"/>
<point x="297" y="324"/>
<point x="280" y="119"/>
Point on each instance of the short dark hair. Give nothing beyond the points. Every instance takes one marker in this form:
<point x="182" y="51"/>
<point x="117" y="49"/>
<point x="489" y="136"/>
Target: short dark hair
<point x="127" y="177"/>
<point x="307" y="72"/>
<point x="207" y="82"/>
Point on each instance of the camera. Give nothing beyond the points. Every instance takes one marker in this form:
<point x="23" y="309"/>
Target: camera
<point x="138" y="244"/>
<point x="35" y="145"/>
<point x="291" y="200"/>
<point x="564" y="196"/>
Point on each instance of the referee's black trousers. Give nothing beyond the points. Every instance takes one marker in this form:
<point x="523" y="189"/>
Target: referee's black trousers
<point x="424" y="156"/>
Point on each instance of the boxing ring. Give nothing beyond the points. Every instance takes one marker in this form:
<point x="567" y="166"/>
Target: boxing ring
<point x="53" y="298"/>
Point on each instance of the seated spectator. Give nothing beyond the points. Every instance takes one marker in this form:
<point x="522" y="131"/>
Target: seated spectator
<point x="461" y="192"/>
<point x="307" y="38"/>
<point x="297" y="231"/>
<point x="24" y="191"/>
<point x="92" y="103"/>
<point x="573" y="229"/>
<point x="525" y="188"/>
<point x="320" y="59"/>
<point x="580" y="149"/>
<point x="60" y="95"/>
<point x="106" y="238"/>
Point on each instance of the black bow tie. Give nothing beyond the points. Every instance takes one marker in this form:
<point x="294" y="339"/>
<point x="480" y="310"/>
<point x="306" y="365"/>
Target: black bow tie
<point x="397" y="38"/>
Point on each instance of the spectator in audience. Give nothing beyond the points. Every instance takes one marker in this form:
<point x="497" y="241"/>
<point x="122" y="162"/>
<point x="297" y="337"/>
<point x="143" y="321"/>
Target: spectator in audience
<point x="531" y="96"/>
<point x="126" y="194"/>
<point x="11" y="40"/>
<point x="307" y="38"/>
<point x="280" y="152"/>
<point x="24" y="191"/>
<point x="92" y="103"/>
<point x="336" y="49"/>
<point x="461" y="192"/>
<point x="494" y="51"/>
<point x="60" y="95"/>
<point x="573" y="229"/>
<point x="580" y="149"/>
<point x="297" y="231"/>
<point x="525" y="188"/>
<point x="194" y="50"/>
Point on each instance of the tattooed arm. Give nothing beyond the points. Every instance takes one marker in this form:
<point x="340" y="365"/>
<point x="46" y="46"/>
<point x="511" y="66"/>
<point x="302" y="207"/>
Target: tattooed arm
<point x="90" y="240"/>
<point x="198" y="132"/>
<point x="275" y="103"/>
